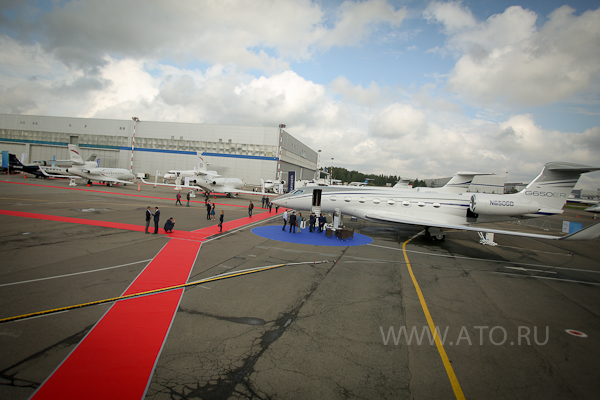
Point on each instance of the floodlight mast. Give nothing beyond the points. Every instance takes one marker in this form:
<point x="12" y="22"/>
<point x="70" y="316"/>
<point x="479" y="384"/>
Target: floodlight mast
<point x="135" y="119"/>
<point x="281" y="127"/>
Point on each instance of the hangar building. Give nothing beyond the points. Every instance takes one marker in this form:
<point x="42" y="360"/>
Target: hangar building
<point x="245" y="152"/>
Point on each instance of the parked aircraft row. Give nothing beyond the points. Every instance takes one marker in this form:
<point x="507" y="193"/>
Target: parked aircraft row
<point x="440" y="210"/>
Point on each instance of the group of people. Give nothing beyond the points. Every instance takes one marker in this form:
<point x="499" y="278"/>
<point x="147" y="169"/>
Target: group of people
<point x="169" y="225"/>
<point x="266" y="203"/>
<point x="295" y="221"/>
<point x="211" y="214"/>
<point x="178" y="198"/>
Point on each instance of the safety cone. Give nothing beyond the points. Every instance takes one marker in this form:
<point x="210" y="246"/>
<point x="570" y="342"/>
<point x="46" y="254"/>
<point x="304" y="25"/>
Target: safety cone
<point x="139" y="187"/>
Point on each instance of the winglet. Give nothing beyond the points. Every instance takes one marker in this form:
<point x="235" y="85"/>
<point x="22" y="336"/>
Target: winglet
<point x="589" y="233"/>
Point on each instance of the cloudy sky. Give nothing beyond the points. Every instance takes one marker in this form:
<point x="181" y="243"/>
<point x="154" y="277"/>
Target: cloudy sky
<point x="420" y="89"/>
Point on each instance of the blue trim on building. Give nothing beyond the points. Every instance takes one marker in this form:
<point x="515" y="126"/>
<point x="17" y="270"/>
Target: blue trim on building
<point x="193" y="153"/>
<point x="104" y="147"/>
<point x="33" y="142"/>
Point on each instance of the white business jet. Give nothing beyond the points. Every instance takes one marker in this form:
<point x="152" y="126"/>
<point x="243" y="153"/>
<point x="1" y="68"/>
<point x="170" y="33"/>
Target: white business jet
<point x="201" y="177"/>
<point x="272" y="186"/>
<point x="545" y="195"/>
<point x="89" y="170"/>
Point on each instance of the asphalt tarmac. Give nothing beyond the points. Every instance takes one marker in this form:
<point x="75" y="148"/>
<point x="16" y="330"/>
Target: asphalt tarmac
<point x="354" y="327"/>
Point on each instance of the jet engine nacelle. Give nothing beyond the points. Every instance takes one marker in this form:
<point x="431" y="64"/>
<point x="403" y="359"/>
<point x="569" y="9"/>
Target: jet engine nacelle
<point x="502" y="205"/>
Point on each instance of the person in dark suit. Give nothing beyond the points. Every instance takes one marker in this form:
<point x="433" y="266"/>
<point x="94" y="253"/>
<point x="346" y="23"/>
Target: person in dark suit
<point x="156" y="219"/>
<point x="311" y="222"/>
<point x="293" y="222"/>
<point x="221" y="221"/>
<point x="208" y="208"/>
<point x="322" y="221"/>
<point x="148" y="218"/>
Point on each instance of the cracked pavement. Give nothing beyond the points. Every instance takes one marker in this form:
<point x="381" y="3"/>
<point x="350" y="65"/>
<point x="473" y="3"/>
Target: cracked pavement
<point x="304" y="331"/>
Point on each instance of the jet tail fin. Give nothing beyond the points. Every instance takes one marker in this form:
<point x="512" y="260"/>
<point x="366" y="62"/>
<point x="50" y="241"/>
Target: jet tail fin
<point x="75" y="154"/>
<point x="461" y="181"/>
<point x="551" y="188"/>
<point x="13" y="160"/>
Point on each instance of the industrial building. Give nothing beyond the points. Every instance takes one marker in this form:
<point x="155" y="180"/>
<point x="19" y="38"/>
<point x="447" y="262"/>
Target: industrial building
<point x="245" y="152"/>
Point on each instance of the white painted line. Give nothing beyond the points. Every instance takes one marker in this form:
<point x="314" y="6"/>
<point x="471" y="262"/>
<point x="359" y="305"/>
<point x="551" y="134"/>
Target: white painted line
<point x="484" y="259"/>
<point x="533" y="270"/>
<point x="542" y="277"/>
<point x="73" y="274"/>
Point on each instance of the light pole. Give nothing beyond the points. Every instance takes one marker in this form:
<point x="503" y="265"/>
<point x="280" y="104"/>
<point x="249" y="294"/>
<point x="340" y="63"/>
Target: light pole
<point x="331" y="173"/>
<point x="281" y="127"/>
<point x="135" y="119"/>
<point x="318" y="171"/>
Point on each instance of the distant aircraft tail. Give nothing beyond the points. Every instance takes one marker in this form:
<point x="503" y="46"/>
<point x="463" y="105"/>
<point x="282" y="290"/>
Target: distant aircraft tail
<point x="13" y="160"/>
<point x="551" y="188"/>
<point x="461" y="181"/>
<point x="75" y="154"/>
<point x="202" y="164"/>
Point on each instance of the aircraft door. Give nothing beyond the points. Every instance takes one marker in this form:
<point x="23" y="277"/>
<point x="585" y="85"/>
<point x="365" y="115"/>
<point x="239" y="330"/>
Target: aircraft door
<point x="316" y="198"/>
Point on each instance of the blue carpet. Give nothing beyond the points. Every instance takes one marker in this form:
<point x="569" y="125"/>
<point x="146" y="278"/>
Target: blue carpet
<point x="274" y="232"/>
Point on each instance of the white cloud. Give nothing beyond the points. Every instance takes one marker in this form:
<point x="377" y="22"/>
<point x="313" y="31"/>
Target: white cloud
<point x="356" y="94"/>
<point x="507" y="59"/>
<point x="356" y="20"/>
<point x="398" y="121"/>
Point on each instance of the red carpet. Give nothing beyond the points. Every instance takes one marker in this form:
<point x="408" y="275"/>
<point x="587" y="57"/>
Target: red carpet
<point x="117" y="358"/>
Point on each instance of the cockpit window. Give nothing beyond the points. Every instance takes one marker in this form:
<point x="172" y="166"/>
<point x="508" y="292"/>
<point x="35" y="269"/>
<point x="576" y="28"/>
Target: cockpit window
<point x="297" y="192"/>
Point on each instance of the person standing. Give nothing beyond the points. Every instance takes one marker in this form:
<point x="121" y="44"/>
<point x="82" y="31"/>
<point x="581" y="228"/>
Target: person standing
<point x="299" y="222"/>
<point x="156" y="219"/>
<point x="293" y="222"/>
<point x="322" y="221"/>
<point x="221" y="217"/>
<point x="311" y="222"/>
<point x="188" y="198"/>
<point x="208" y="208"/>
<point x="250" y="208"/>
<point x="178" y="199"/>
<point x="212" y="211"/>
<point x="148" y="218"/>
<point x="270" y="205"/>
<point x="284" y="220"/>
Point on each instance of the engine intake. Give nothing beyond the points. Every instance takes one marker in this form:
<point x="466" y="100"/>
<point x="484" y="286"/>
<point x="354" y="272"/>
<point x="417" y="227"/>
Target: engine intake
<point x="502" y="205"/>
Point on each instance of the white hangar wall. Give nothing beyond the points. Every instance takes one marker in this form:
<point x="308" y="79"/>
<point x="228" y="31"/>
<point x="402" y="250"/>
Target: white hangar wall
<point x="245" y="152"/>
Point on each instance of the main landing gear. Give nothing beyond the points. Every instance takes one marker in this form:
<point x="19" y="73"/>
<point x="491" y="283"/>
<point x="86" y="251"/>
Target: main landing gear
<point x="435" y="233"/>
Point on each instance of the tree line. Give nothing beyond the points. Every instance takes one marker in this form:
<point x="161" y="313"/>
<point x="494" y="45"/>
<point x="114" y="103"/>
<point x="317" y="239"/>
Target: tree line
<point x="375" y="180"/>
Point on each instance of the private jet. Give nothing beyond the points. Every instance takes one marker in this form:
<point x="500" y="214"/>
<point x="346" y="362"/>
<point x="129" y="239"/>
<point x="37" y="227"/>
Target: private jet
<point x="89" y="170"/>
<point x="440" y="211"/>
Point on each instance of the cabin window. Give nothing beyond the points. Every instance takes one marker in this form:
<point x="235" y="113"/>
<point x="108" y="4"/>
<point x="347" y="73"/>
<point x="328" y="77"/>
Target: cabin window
<point x="421" y="204"/>
<point x="406" y="203"/>
<point x="376" y="201"/>
<point x="347" y="199"/>
<point x="333" y="198"/>
<point x="361" y="200"/>
<point x="391" y="202"/>
<point x="436" y="205"/>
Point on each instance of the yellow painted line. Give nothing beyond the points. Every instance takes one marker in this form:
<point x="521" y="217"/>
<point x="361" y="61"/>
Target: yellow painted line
<point x="449" y="370"/>
<point x="129" y="296"/>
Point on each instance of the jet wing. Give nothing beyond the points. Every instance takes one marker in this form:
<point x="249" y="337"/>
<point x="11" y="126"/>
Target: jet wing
<point x="222" y="189"/>
<point x="587" y="233"/>
<point x="113" y="180"/>
<point x="59" y="176"/>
